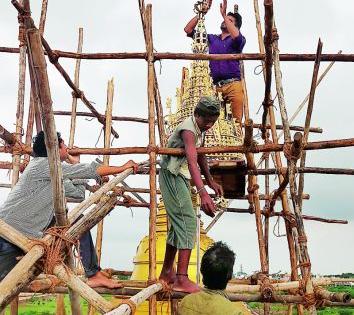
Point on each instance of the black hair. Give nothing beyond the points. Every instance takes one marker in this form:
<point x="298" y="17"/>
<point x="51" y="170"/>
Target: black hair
<point x="217" y="266"/>
<point x="238" y="19"/>
<point x="200" y="112"/>
<point x="39" y="148"/>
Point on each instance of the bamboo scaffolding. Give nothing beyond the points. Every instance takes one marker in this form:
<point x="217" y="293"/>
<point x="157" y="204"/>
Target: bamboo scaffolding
<point x="308" y="118"/>
<point x="105" y="202"/>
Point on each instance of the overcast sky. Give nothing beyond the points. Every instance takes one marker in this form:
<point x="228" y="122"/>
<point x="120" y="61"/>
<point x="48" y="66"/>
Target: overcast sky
<point x="114" y="26"/>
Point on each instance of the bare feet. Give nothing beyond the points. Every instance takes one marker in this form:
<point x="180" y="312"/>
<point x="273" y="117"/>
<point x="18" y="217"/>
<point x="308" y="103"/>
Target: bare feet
<point x="183" y="284"/>
<point x="101" y="280"/>
<point x="168" y="277"/>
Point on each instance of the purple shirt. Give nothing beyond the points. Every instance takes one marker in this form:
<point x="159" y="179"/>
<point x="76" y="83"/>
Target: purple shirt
<point x="225" y="69"/>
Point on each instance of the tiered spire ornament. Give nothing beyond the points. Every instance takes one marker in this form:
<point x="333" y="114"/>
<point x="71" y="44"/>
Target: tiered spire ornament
<point x="196" y="83"/>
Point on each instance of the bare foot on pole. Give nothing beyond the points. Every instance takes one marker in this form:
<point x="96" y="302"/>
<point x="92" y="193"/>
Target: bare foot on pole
<point x="183" y="284"/>
<point x="101" y="280"/>
<point x="168" y="277"/>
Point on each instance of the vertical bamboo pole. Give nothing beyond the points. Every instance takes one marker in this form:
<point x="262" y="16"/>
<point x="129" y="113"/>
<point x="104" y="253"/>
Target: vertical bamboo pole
<point x="254" y="197"/>
<point x="152" y="155"/>
<point x="16" y="158"/>
<point x="157" y="96"/>
<point x="40" y="78"/>
<point x="76" y="82"/>
<point x="60" y="310"/>
<point x="278" y="162"/>
<point x="308" y="118"/>
<point x="107" y="140"/>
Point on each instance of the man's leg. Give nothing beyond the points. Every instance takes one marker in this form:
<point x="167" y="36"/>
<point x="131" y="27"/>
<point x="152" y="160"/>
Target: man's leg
<point x="8" y="257"/>
<point x="168" y="273"/>
<point x="182" y="282"/>
<point x="90" y="262"/>
<point x="181" y="236"/>
<point x="233" y="93"/>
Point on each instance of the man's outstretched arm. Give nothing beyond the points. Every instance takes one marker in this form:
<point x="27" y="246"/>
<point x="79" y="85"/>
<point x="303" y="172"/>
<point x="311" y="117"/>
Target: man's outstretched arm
<point x="231" y="28"/>
<point x="207" y="203"/>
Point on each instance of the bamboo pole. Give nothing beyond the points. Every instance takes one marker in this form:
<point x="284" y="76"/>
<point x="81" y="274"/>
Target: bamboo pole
<point x="77" y="83"/>
<point x="191" y="56"/>
<point x="107" y="141"/>
<point x="253" y="193"/>
<point x="136" y="300"/>
<point x="276" y="147"/>
<point x="142" y="120"/>
<point x="16" y="158"/>
<point x="281" y="214"/>
<point x="157" y="96"/>
<point x="60" y="306"/>
<point x="152" y="154"/>
<point x="308" y="119"/>
<point x="37" y="60"/>
<point x="268" y="62"/>
<point x="86" y="292"/>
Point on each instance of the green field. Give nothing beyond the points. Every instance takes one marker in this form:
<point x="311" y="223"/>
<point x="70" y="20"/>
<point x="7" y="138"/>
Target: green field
<point x="40" y="306"/>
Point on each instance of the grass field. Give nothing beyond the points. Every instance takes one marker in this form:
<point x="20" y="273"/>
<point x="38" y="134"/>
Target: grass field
<point x="40" y="306"/>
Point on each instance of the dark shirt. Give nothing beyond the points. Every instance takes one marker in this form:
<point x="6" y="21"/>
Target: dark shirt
<point x="224" y="69"/>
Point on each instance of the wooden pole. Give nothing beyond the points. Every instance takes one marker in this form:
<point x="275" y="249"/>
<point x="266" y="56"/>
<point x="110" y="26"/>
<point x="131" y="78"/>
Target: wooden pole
<point x="191" y="56"/>
<point x="253" y="196"/>
<point x="157" y="96"/>
<point x="152" y="154"/>
<point x="77" y="83"/>
<point x="37" y="60"/>
<point x="137" y="299"/>
<point x="140" y="120"/>
<point x="308" y="119"/>
<point x="107" y="141"/>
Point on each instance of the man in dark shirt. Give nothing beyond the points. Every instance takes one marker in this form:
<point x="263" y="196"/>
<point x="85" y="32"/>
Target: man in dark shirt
<point x="226" y="73"/>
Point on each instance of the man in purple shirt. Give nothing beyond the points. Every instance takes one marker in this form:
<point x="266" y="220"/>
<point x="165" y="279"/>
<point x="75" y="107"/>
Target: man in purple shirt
<point x="226" y="73"/>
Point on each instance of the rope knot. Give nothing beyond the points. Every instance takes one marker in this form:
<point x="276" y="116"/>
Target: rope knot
<point x="275" y="35"/>
<point x="77" y="94"/>
<point x="252" y="189"/>
<point x="267" y="290"/>
<point x="151" y="148"/>
<point x="53" y="57"/>
<point x="289" y="153"/>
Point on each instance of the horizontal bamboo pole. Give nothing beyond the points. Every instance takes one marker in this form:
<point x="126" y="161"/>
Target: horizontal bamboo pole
<point x="280" y="214"/>
<point x="191" y="56"/>
<point x="342" y="297"/>
<point x="118" y="118"/>
<point x="305" y="170"/>
<point x="143" y="120"/>
<point x="317" y="145"/>
<point x="5" y="185"/>
<point x="137" y="299"/>
<point x="238" y="288"/>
